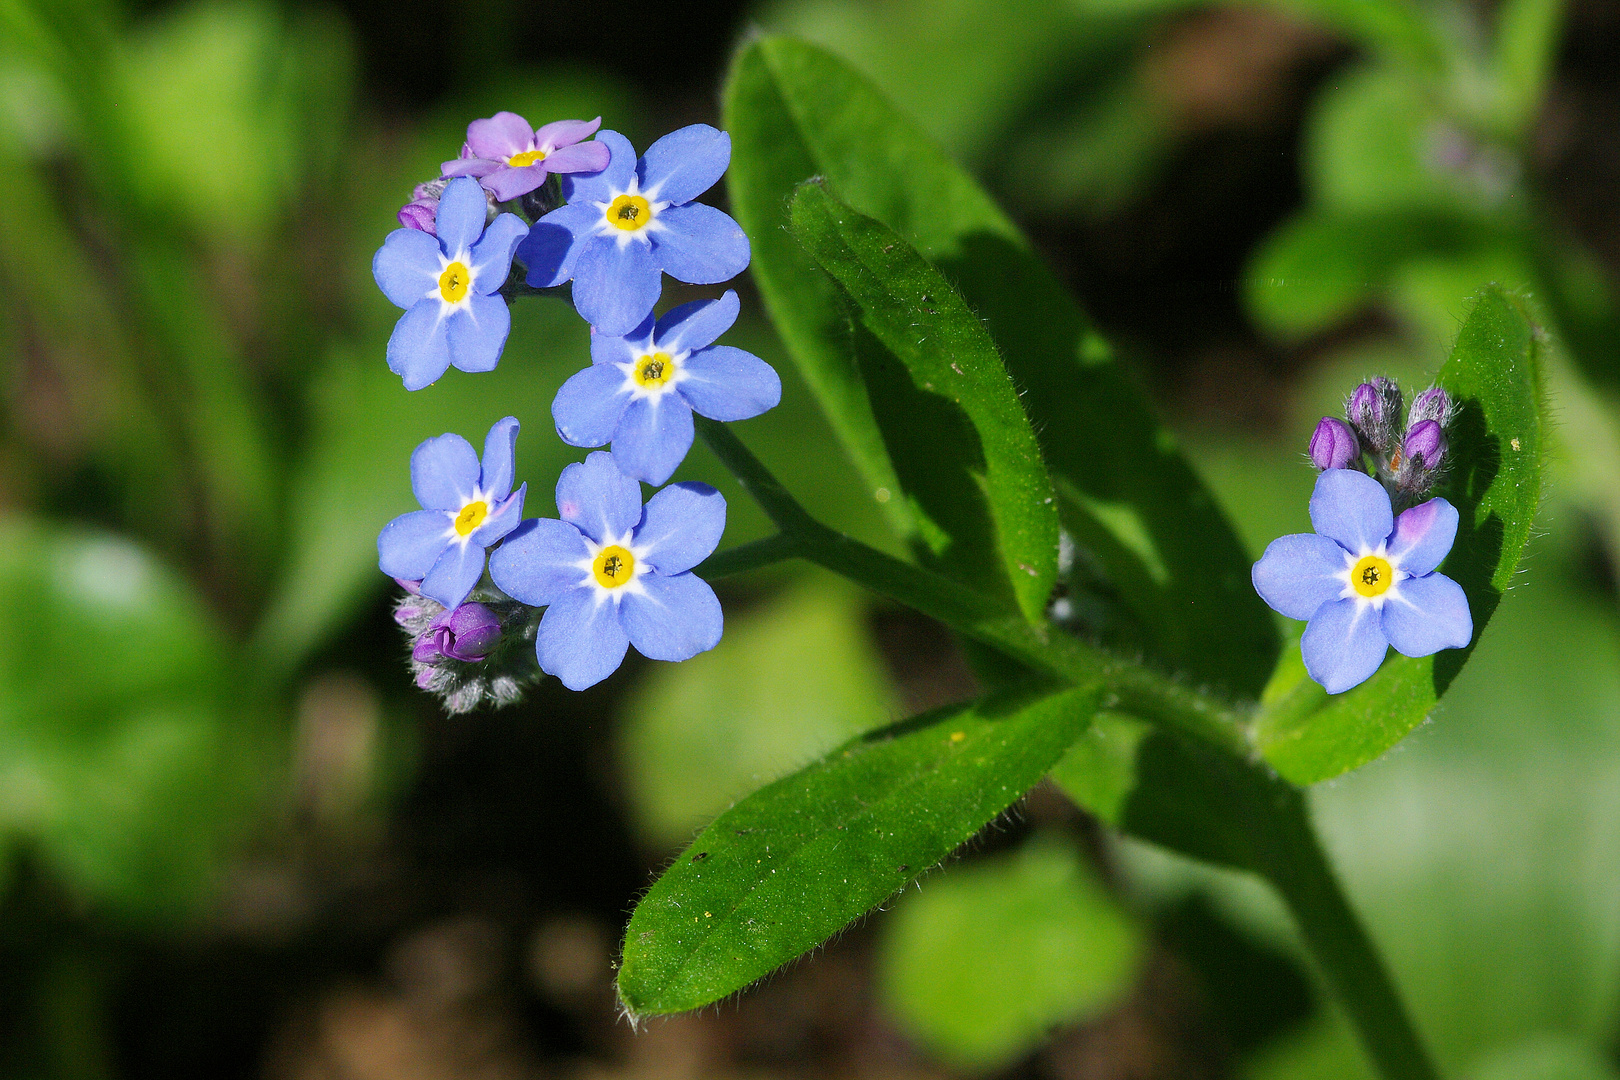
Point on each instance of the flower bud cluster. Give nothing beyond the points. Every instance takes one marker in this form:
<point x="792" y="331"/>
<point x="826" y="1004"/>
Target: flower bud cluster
<point x="1405" y="448"/>
<point x="476" y="652"/>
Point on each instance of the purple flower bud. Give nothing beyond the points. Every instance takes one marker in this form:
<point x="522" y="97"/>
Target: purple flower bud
<point x="1426" y="442"/>
<point x="419" y="214"/>
<point x="1333" y="444"/>
<point x="1374" y="409"/>
<point x="1432" y="404"/>
<point x="468" y="633"/>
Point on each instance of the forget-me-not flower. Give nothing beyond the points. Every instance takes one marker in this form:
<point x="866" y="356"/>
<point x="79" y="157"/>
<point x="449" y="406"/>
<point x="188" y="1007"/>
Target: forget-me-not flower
<point x="624" y="226"/>
<point x="449" y="283"/>
<point x="510" y="158"/>
<point x="641" y="389"/>
<point x="1365" y="580"/>
<point x="466" y="508"/>
<point x="611" y="574"/>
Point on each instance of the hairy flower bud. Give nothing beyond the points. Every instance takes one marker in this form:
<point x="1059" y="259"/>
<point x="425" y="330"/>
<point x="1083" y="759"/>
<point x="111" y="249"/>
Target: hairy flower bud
<point x="1432" y="404"/>
<point x="1426" y="442"/>
<point x="470" y="632"/>
<point x="1333" y="444"/>
<point x="1374" y="409"/>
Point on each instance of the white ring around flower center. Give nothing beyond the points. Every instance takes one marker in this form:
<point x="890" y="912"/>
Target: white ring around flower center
<point x="456" y="536"/>
<point x="624" y="236"/>
<point x="1393" y="592"/>
<point x="639" y="353"/>
<point x="465" y="259"/>
<point x="587" y="568"/>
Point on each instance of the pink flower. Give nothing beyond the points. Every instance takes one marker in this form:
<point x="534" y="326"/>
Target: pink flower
<point x="510" y="158"/>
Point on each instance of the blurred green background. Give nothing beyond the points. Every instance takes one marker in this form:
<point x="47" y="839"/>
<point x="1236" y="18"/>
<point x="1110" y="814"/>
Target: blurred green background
<point x="235" y="842"/>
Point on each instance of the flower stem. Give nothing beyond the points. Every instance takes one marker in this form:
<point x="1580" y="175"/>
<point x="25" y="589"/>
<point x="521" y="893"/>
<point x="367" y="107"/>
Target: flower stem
<point x="1347" y="959"/>
<point x="1288" y="852"/>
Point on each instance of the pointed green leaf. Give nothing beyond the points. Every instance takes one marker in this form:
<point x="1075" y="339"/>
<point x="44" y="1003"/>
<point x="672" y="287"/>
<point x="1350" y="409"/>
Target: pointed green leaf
<point x="790" y="865"/>
<point x="922" y="322"/>
<point x="1495" y="483"/>
<point x="1124" y="490"/>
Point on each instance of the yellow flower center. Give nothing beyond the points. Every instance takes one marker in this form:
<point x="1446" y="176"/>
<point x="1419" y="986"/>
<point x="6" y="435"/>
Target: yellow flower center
<point x="472" y="515"/>
<point x="653" y="370"/>
<point x="1372" y="576"/>
<point x="453" y="282"/>
<point x="613" y="567"/>
<point x="528" y="157"/>
<point x="629" y="212"/>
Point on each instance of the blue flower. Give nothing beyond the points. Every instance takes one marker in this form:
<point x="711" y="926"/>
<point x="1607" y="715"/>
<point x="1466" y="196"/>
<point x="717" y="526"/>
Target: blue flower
<point x="641" y="389"/>
<point x="465" y="509"/>
<point x="449" y="286"/>
<point x="1365" y="580"/>
<point x="611" y="574"/>
<point x="624" y="225"/>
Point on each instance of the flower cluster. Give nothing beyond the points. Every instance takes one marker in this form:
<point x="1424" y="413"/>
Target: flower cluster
<point x="1367" y="578"/>
<point x="525" y="209"/>
<point x="1407" y="454"/>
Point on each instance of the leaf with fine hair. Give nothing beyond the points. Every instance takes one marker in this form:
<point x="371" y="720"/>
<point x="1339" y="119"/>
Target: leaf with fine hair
<point x="790" y="865"/>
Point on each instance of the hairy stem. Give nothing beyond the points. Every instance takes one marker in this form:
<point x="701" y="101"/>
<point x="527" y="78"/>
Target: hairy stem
<point x="1294" y="861"/>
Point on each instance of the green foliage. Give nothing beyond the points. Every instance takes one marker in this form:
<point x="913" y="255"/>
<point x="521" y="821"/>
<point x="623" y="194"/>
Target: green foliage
<point x="790" y="865"/>
<point x="981" y="963"/>
<point x="787" y="682"/>
<point x="129" y="775"/>
<point x="921" y="321"/>
<point x="1123" y="488"/>
<point x="1497" y="450"/>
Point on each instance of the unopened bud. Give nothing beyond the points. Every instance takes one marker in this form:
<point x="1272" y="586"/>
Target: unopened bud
<point x="1432" y="404"/>
<point x="469" y="633"/>
<point x="1426" y="442"/>
<point x="1333" y="444"/>
<point x="419" y="215"/>
<point x="1374" y="409"/>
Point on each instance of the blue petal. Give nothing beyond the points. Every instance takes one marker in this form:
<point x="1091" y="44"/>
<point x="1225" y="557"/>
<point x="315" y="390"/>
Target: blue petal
<point x="477" y="332"/>
<point x="588" y="407"/>
<point x="1423" y="615"/>
<point x="1344" y="644"/>
<point x="652" y="440"/>
<point x="503" y="518"/>
<point x="724" y="383"/>
<point x="597" y="498"/>
<point x="1423" y="536"/>
<point x="554" y="242"/>
<point x="444" y="472"/>
<point x="622" y="349"/>
<point x="462" y="213"/>
<point x="673" y="618"/>
<point x="540" y="561"/>
<point x="615" y="287"/>
<point x="500" y="447"/>
<point x="580" y="640"/>
<point x="1352" y="508"/>
<point x="700" y="245"/>
<point x="407" y="266"/>
<point x="680" y="527"/>
<point x="602" y="186"/>
<point x="698" y="324"/>
<point x="685" y="163"/>
<point x="491" y="257"/>
<point x="1300" y="573"/>
<point x="418" y="349"/>
<point x="454" y="575"/>
<point x="409" y="545"/>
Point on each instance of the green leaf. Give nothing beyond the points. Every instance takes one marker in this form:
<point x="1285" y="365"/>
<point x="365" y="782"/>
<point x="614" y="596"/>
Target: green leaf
<point x="1497" y="449"/>
<point x="982" y="963"/>
<point x="788" y="681"/>
<point x="790" y="865"/>
<point x="921" y="321"/>
<point x="1123" y="488"/>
